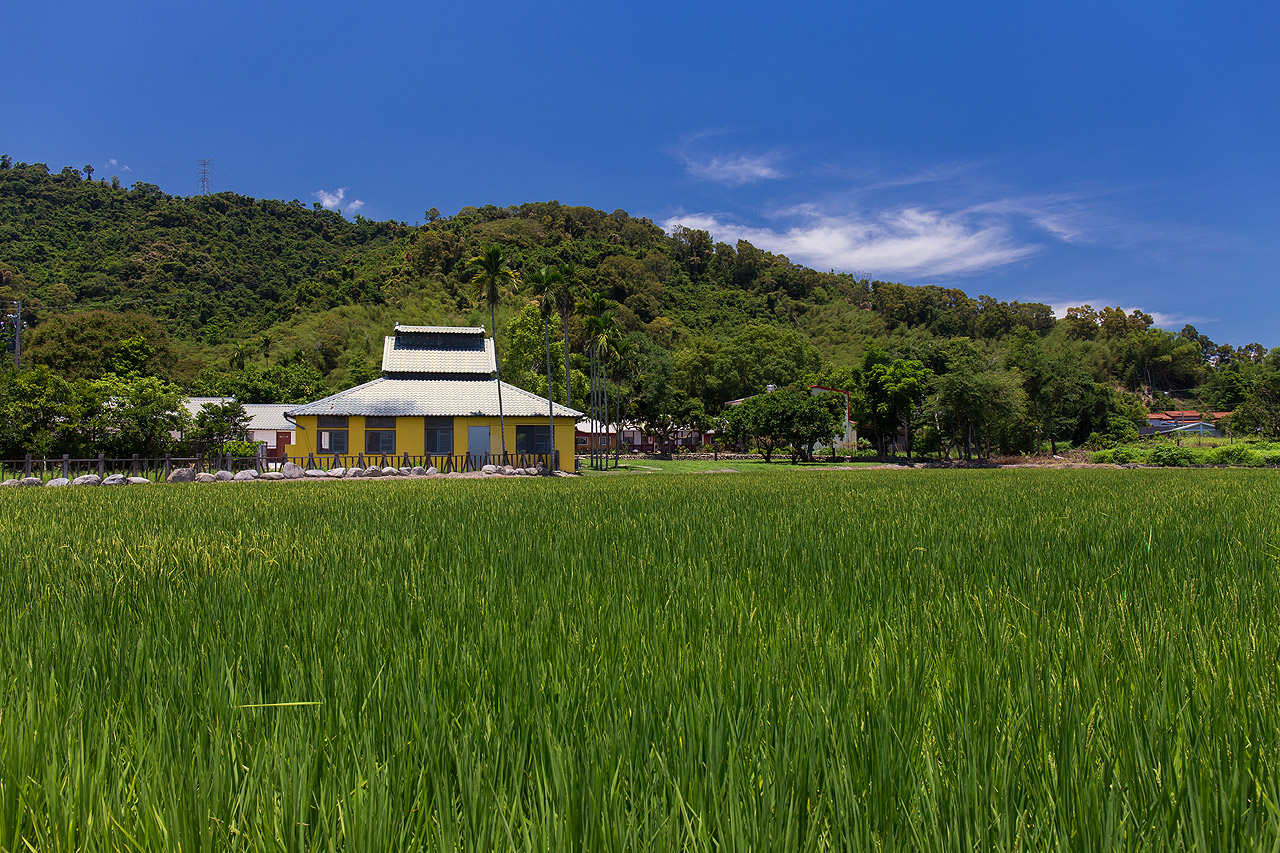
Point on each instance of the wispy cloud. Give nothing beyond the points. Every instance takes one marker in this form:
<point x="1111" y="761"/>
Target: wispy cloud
<point x="115" y="164"/>
<point x="908" y="241"/>
<point x="732" y="167"/>
<point x="333" y="200"/>
<point x="1162" y="319"/>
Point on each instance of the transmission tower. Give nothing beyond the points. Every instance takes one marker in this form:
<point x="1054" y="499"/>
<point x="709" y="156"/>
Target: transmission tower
<point x="204" y="175"/>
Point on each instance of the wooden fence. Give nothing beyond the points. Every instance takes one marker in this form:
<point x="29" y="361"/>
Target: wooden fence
<point x="158" y="468"/>
<point x="151" y="467"/>
<point x="443" y="464"/>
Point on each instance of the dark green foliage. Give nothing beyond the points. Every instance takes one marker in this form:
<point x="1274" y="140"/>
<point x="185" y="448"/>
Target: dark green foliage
<point x="235" y="286"/>
<point x="216" y="425"/>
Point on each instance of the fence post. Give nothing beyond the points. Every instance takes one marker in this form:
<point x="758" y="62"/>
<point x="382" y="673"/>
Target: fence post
<point x="133" y="466"/>
<point x="66" y="465"/>
<point x="102" y="464"/>
<point x="311" y="461"/>
<point x="26" y="466"/>
<point x="199" y="461"/>
<point x="166" y="466"/>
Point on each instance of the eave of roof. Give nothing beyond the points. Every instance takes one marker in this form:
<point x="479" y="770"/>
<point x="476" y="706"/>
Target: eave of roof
<point x="433" y="398"/>
<point x="444" y="330"/>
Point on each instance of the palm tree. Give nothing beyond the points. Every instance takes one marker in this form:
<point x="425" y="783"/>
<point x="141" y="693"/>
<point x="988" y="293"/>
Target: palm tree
<point x="543" y="282"/>
<point x="566" y="298"/>
<point x="491" y="273"/>
<point x="599" y="323"/>
<point x="238" y="355"/>
<point x="265" y="343"/>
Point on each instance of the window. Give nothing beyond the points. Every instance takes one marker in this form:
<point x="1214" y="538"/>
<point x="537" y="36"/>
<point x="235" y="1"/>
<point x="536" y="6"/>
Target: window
<point x="533" y="438"/>
<point x="380" y="435"/>
<point x="439" y="436"/>
<point x="332" y="434"/>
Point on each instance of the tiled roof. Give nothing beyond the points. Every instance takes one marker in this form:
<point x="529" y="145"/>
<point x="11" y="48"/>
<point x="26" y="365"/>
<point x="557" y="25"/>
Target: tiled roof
<point x="408" y="359"/>
<point x="444" y="330"/>
<point x="194" y="404"/>
<point x="268" y="416"/>
<point x="433" y="398"/>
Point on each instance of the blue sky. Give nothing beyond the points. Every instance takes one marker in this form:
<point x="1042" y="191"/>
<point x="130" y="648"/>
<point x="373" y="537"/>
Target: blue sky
<point x="1111" y="153"/>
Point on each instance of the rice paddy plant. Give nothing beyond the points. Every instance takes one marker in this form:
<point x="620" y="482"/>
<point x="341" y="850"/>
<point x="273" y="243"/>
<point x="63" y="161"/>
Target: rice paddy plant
<point x="882" y="660"/>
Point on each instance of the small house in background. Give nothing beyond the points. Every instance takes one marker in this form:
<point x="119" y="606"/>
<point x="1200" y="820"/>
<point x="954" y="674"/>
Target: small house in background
<point x="269" y="427"/>
<point x="267" y="423"/>
<point x="437" y="399"/>
<point x="1183" y="422"/>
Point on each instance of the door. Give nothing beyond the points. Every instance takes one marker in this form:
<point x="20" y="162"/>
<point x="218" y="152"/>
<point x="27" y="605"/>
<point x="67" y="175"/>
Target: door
<point x="477" y="446"/>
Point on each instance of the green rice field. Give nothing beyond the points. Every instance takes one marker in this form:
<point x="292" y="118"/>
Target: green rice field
<point x="831" y="660"/>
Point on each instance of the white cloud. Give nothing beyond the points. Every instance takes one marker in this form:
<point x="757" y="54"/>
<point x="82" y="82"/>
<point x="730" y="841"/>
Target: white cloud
<point x="354" y="206"/>
<point x="330" y="200"/>
<point x="908" y="241"/>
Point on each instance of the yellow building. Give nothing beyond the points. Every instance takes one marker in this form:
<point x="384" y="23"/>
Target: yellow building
<point x="436" y="404"/>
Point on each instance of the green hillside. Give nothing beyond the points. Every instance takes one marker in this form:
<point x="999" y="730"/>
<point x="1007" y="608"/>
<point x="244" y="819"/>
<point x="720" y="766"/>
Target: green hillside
<point x="279" y="300"/>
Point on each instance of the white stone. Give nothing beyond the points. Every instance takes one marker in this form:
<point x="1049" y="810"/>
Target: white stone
<point x="115" y="480"/>
<point x="60" y="481"/>
<point x="292" y="471"/>
<point x="248" y="474"/>
<point x="373" y="471"/>
<point x="223" y="476"/>
<point x="316" y="473"/>
<point x="390" y="472"/>
<point x="31" y="481"/>
<point x="202" y="477"/>
<point x="490" y="469"/>
<point x="138" y="481"/>
<point x="337" y="472"/>
<point x="418" y="471"/>
<point x="94" y="480"/>
<point x="432" y="471"/>
<point x="271" y="475"/>
<point x="178" y="475"/>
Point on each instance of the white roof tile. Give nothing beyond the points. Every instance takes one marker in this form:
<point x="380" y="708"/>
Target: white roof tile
<point x="433" y="398"/>
<point x="404" y="359"/>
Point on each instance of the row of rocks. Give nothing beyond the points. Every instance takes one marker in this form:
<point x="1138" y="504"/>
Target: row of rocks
<point x="85" y="480"/>
<point x="290" y="471"/>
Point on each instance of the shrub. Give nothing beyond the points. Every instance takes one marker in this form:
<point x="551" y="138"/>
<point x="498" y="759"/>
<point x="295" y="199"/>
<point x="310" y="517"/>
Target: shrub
<point x="1125" y="455"/>
<point x="1172" y="456"/>
<point x="1102" y="457"/>
<point x="1236" y="454"/>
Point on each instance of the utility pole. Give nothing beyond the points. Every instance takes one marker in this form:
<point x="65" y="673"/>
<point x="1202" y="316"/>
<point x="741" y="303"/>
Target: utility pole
<point x="17" y="337"/>
<point x="204" y="175"/>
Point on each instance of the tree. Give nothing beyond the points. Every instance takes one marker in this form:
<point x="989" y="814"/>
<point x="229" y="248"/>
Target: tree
<point x="92" y="343"/>
<point x="239" y="354"/>
<point x="491" y="275"/>
<point x="543" y="282"/>
<point x="566" y="296"/>
<point x="216" y="424"/>
<point x="896" y="390"/>
<point x="135" y="414"/>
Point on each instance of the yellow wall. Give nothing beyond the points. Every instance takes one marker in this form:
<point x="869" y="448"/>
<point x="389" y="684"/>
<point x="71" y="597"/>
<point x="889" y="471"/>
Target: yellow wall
<point x="411" y="435"/>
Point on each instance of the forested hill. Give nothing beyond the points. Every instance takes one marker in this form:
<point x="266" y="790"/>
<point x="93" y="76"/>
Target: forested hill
<point x="280" y="299"/>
